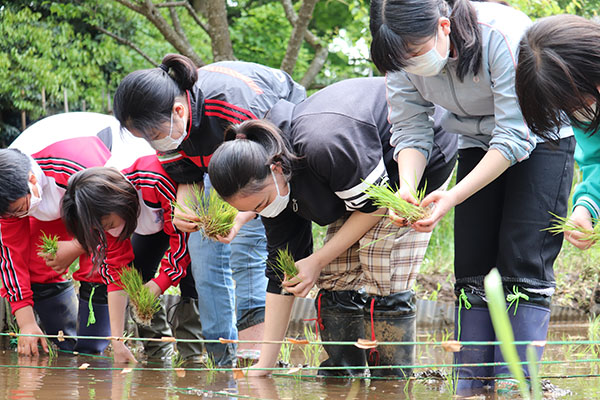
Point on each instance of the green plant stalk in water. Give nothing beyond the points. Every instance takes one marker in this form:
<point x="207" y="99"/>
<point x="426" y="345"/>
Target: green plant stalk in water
<point x="215" y="215"/>
<point x="497" y="305"/>
<point x="49" y="244"/>
<point x="143" y="302"/>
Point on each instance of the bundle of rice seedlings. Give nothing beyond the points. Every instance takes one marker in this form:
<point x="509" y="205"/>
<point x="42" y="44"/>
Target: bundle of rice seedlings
<point x="562" y="224"/>
<point x="215" y="215"/>
<point x="49" y="244"/>
<point x="143" y="303"/>
<point x="385" y="197"/>
<point x="285" y="263"/>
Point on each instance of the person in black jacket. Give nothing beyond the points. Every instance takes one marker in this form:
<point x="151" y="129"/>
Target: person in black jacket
<point x="312" y="162"/>
<point x="182" y="112"/>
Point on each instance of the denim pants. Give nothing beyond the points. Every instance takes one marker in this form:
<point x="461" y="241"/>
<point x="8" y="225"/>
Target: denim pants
<point x="230" y="280"/>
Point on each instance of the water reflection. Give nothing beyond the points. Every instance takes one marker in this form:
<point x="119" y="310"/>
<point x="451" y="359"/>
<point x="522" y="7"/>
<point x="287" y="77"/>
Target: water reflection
<point x="34" y="378"/>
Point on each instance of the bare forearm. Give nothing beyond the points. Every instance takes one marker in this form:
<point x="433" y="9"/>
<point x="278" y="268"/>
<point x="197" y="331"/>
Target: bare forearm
<point x="411" y="165"/>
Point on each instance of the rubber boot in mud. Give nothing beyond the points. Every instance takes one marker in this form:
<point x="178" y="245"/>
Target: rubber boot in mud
<point x="391" y="319"/>
<point x="340" y="319"/>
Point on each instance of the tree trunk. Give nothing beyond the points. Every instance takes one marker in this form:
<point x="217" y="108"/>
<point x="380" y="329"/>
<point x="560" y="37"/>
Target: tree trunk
<point x="218" y="29"/>
<point x="297" y="36"/>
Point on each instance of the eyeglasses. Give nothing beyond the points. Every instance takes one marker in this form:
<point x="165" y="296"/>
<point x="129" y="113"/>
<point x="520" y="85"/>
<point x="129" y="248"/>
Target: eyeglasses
<point x="20" y="212"/>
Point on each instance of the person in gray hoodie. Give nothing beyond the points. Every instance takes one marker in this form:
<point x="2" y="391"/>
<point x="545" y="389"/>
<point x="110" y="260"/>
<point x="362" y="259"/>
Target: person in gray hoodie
<point x="461" y="55"/>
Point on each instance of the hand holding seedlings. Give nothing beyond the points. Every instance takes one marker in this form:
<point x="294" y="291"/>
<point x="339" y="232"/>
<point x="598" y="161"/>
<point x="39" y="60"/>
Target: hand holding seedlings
<point x="579" y="228"/>
<point x="48" y="247"/>
<point x="403" y="206"/>
<point x="144" y="303"/>
<point x="213" y="215"/>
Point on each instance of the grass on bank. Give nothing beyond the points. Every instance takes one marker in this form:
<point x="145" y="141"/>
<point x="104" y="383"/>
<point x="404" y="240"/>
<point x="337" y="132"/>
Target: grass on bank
<point x="143" y="303"/>
<point x="215" y="214"/>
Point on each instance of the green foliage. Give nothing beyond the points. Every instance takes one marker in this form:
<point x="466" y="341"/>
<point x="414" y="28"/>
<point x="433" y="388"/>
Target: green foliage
<point x="385" y="197"/>
<point x="49" y="244"/>
<point x="143" y="302"/>
<point x="285" y="264"/>
<point x="215" y="215"/>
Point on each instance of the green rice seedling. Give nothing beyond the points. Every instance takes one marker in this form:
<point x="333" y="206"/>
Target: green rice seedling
<point x="49" y="244"/>
<point x="285" y="264"/>
<point x="503" y="329"/>
<point x="215" y="215"/>
<point x="143" y="303"/>
<point x="536" y="384"/>
<point x="285" y="353"/>
<point x="562" y="224"/>
<point x="311" y="351"/>
<point x="385" y="197"/>
<point x="52" y="352"/>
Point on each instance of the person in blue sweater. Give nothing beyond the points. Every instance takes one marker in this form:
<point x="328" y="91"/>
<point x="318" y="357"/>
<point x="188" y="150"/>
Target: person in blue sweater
<point x="558" y="82"/>
<point x="460" y="55"/>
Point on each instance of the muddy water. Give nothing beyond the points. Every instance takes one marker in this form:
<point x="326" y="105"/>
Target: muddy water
<point x="60" y="378"/>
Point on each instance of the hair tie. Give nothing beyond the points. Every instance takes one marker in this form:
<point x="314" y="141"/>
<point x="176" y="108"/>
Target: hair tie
<point x="164" y="68"/>
<point x="241" y="136"/>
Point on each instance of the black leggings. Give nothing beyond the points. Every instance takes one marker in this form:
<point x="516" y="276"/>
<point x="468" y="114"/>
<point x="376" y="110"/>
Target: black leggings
<point x="501" y="225"/>
<point x="149" y="251"/>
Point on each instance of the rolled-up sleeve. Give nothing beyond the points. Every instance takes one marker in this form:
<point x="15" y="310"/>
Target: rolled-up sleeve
<point x="510" y="136"/>
<point x="410" y="115"/>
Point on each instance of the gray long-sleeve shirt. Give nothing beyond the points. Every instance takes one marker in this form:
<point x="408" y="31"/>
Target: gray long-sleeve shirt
<point x="483" y="108"/>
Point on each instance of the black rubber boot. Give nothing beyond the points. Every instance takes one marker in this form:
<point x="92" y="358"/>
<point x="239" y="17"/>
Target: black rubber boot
<point x="185" y="321"/>
<point x="391" y="319"/>
<point x="56" y="305"/>
<point x="158" y="328"/>
<point x="340" y="317"/>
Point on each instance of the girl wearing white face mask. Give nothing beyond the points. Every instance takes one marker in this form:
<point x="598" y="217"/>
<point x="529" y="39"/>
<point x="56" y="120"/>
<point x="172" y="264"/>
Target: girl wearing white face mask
<point x="182" y="111"/>
<point x="311" y="171"/>
<point x="461" y="55"/>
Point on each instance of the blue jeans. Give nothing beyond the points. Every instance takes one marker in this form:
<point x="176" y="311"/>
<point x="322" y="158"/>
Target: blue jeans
<point x="224" y="306"/>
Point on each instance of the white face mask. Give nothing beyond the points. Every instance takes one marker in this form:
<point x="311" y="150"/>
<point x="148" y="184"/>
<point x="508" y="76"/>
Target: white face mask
<point x="581" y="115"/>
<point x="34" y="201"/>
<point x="116" y="231"/>
<point x="430" y="63"/>
<point x="277" y="205"/>
<point x="168" y="143"/>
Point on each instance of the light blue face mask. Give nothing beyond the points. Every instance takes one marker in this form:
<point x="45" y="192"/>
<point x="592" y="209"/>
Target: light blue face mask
<point x="168" y="143"/>
<point x="278" y="204"/>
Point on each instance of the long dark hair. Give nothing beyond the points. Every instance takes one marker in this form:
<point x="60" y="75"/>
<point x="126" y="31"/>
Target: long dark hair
<point x="14" y="173"/>
<point x="91" y="195"/>
<point x="558" y="73"/>
<point x="396" y="25"/>
<point x="144" y="98"/>
<point x="241" y="164"/>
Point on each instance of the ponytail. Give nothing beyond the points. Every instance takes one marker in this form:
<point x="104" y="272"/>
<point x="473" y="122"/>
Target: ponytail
<point x="398" y="25"/>
<point x="241" y="164"/>
<point x="144" y="98"/>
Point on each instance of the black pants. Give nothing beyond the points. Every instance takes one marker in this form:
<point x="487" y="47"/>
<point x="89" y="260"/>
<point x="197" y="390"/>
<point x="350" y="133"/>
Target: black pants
<point x="501" y="225"/>
<point x="149" y="251"/>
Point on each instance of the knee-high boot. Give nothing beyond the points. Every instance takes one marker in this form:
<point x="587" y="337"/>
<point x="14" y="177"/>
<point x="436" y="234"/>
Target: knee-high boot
<point x="529" y="318"/>
<point x="472" y="323"/>
<point x="340" y="316"/>
<point x="391" y="319"/>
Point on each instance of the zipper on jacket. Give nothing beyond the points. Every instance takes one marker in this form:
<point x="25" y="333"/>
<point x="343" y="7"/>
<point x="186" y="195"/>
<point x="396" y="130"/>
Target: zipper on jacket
<point x="454" y="93"/>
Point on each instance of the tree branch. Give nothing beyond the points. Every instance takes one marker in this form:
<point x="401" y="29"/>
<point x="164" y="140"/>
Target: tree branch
<point x="126" y="42"/>
<point x="216" y="13"/>
<point x="180" y="43"/>
<point x="297" y="37"/>
<point x="189" y="8"/>
<point x="172" y="4"/>
<point x="315" y="66"/>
